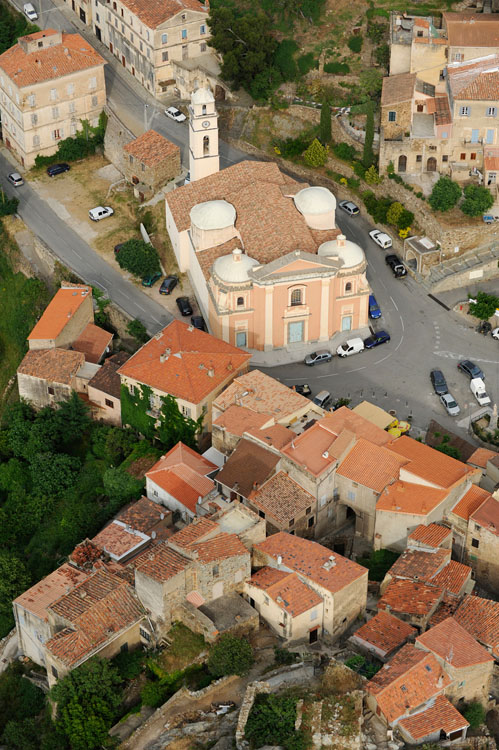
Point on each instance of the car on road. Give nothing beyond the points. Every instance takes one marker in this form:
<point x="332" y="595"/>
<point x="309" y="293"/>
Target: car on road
<point x="175" y="114"/>
<point x="381" y="238"/>
<point x="352" y="346"/>
<point x="55" y="169"/>
<point x="15" y="179"/>
<point x="168" y="284"/>
<point x="315" y="358"/>
<point x="184" y="305"/>
<point x="380" y="337"/>
<point x="100" y="212"/>
<point x="495" y="334"/>
<point x="450" y="404"/>
<point x="350" y="207"/>
<point x="30" y="12"/>
<point x="323" y="399"/>
<point x="398" y="268"/>
<point x="374" y="309"/>
<point x="198" y="322"/>
<point x="151" y="280"/>
<point x="470" y="369"/>
<point x="302" y="388"/>
<point x="438" y="382"/>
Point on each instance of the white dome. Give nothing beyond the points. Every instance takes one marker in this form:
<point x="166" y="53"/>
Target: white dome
<point x="202" y="96"/>
<point x="213" y="215"/>
<point x="234" y="268"/>
<point x="315" y="200"/>
<point x="349" y="252"/>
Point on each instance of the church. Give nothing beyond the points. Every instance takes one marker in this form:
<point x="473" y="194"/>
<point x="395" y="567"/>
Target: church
<point x="269" y="266"/>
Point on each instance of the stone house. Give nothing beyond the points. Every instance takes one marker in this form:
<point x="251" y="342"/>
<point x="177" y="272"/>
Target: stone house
<point x="470" y="35"/>
<point x="104" y="391"/>
<point x="341" y="583"/>
<point x="459" y="516"/>
<point x="411" y="601"/>
<point x="198" y="72"/>
<point x="246" y="469"/>
<point x="64" y="319"/>
<point x="382" y="635"/>
<point x="482" y="543"/>
<point x="48" y="376"/>
<point x="285" y="506"/>
<point x="150" y="162"/>
<point x="431" y="537"/>
<point x="480" y="617"/>
<point x="49" y="82"/>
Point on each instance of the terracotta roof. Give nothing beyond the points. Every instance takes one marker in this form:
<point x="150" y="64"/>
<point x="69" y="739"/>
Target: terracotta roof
<point x="220" y="547"/>
<point x="107" y="379"/>
<point x="371" y="465"/>
<point x="194" y="532"/>
<point x="263" y="395"/>
<point x="481" y="456"/>
<point x="85" y="554"/>
<point x="151" y="148"/>
<point x="311" y="560"/>
<point x="143" y="515"/>
<point x="44" y="593"/>
<point x="410" y="597"/>
<point x="397" y="89"/>
<point x="385" y="632"/>
<point x="282" y="499"/>
<point x="467" y="29"/>
<point x="408" y="681"/>
<point x="52" y="365"/>
<point x="470" y="501"/>
<point x="475" y="80"/>
<point x="439" y="716"/>
<point x="162" y="562"/>
<point x="480" y="617"/>
<point x="445" y="609"/>
<point x="118" y="540"/>
<point x="419" y="565"/>
<point x="491" y="162"/>
<point x="238" y="419"/>
<point x="429" y="464"/>
<point x="487" y="515"/>
<point x="277" y="436"/>
<point x="60" y="309"/>
<point x="436" y="431"/>
<point x="183" y="474"/>
<point x="312" y="449"/>
<point x="93" y="342"/>
<point x="195" y="363"/>
<point x="74" y="54"/>
<point x="452" y="643"/>
<point x="286" y="590"/>
<point x="432" y="535"/>
<point x="407" y="497"/>
<point x="452" y="578"/>
<point x="153" y="13"/>
<point x="249" y="463"/>
<point x="440" y="107"/>
<point x="346" y="419"/>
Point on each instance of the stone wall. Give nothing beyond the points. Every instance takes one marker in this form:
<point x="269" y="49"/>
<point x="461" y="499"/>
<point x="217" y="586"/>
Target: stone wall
<point x="253" y="689"/>
<point x="468" y="277"/>
<point x="117" y="135"/>
<point x="196" y="621"/>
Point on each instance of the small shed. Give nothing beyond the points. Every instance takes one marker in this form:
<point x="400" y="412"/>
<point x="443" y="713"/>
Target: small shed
<point x="150" y="162"/>
<point x="421" y="252"/>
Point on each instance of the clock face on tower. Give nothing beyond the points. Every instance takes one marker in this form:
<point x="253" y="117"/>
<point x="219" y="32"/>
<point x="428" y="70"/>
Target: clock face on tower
<point x="206" y="124"/>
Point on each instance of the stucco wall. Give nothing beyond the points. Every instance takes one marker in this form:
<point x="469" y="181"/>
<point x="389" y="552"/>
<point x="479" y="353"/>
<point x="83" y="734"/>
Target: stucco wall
<point x="35" y="390"/>
<point x="483" y="559"/>
<point x="103" y="412"/>
<point x="286" y="626"/>
<point x="117" y="135"/>
<point x="73" y="327"/>
<point x="32" y="632"/>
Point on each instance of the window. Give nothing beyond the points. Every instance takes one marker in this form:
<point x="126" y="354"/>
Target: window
<point x="491" y="112"/>
<point x="419" y="158"/>
<point x="420" y="108"/>
<point x="147" y="35"/>
<point x="265" y="599"/>
<point x="72" y="128"/>
<point x="92" y="84"/>
<point x="184" y="33"/>
<point x="202" y="46"/>
<point x="70" y="88"/>
<point x="241" y="338"/>
<point x="313" y="615"/>
<point x="444" y="134"/>
<point x="131" y="37"/>
<point x="457" y="57"/>
<point x="292" y="522"/>
<point x="34" y="119"/>
<point x="114" y="6"/>
<point x="308" y="511"/>
<point x="130" y="159"/>
<point x="122" y="14"/>
<point x="392" y="116"/>
<point x="72" y="108"/>
<point x="141" y="46"/>
<point x="164" y="38"/>
<point x="472" y="156"/>
<point x="36" y="140"/>
<point x="55" y="112"/>
<point x="351" y="495"/>
<point x="53" y="94"/>
<point x="131" y="389"/>
<point x="445" y="157"/>
<point x="54" y="672"/>
<point x="56" y="134"/>
<point x="186" y="411"/>
<point x="109" y="403"/>
<point x="31" y="100"/>
<point x="202" y="29"/>
<point x="465" y="111"/>
<point x="462" y="157"/>
<point x="216" y="571"/>
<point x="296" y="297"/>
<point x="311" y="522"/>
<point x="240" y="302"/>
<point x="348" y="287"/>
<point x="122" y="27"/>
<point x="143" y="167"/>
<point x="145" y="634"/>
<point x="261" y="514"/>
<point x="95" y="100"/>
<point x="97" y="18"/>
<point x="164" y="56"/>
<point x="155" y="493"/>
<point x="148" y="53"/>
<point x="490" y="137"/>
<point x="183" y="16"/>
<point x="346" y="323"/>
<point x="475" y="543"/>
<point x="51" y="391"/>
<point x="420" y="33"/>
<point x="124" y="648"/>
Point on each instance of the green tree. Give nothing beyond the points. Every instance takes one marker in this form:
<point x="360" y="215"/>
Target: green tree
<point x="394" y="213"/>
<point x="19" y="419"/>
<point x="316" y="154"/>
<point x="405" y="219"/>
<point x="376" y="32"/>
<point x="485" y="305"/>
<point x="355" y="43"/>
<point x="230" y="655"/>
<point x="8" y="206"/>
<point x="449" y="450"/>
<point x="138" y="330"/>
<point x="445" y="194"/>
<point x="371" y="81"/>
<point x="368" y="154"/>
<point x="175" y="426"/>
<point x="372" y="177"/>
<point x="120" y="485"/>
<point x="382" y="55"/>
<point x="477" y="200"/>
<point x="271" y="720"/>
<point x="53" y="473"/>
<point x="325" y="124"/>
<point x="284" y="59"/>
<point x="87" y="701"/>
<point x="14" y="579"/>
<point x="475" y="714"/>
<point x="19" y="698"/>
<point x="73" y="417"/>
<point x="138" y="257"/>
<point x="22" y="735"/>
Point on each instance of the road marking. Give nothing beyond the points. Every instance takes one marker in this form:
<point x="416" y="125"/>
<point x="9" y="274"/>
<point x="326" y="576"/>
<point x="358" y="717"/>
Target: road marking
<point x="402" y="324"/>
<point x="394" y="303"/>
<point x="453" y="355"/>
<point x="140" y="308"/>
<point x="399" y="343"/>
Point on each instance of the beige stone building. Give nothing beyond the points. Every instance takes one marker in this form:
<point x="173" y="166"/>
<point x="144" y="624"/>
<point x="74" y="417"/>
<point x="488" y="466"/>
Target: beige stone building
<point x="104" y="391"/>
<point x="49" y="82"/>
<point x="150" y="162"/>
<point x="83" y="10"/>
<point x="482" y="543"/>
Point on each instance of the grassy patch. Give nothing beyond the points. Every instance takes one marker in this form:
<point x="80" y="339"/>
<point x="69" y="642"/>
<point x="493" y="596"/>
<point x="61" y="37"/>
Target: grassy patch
<point x="378" y="563"/>
<point x="185" y="647"/>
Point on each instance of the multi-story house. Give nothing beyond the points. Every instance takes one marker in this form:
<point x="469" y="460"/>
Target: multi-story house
<point x="147" y="35"/>
<point x="49" y="82"/>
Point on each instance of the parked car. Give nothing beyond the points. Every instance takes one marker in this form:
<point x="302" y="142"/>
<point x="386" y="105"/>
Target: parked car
<point x="352" y="346"/>
<point x="302" y="388"/>
<point x="380" y="337"/>
<point x="450" y="404"/>
<point x="374" y="309"/>
<point x="15" y="179"/>
<point x="315" y="358"/>
<point x="477" y="387"/>
<point x="350" y="207"/>
<point x="323" y="399"/>
<point x="470" y="369"/>
<point x="398" y="268"/>
<point x="381" y="238"/>
<point x="483" y="327"/>
<point x="101" y="212"/>
<point x="30" y="12"/>
<point x="57" y="169"/>
<point x="168" y="284"/>
<point x="151" y="280"/>
<point x="198" y="322"/>
<point x="489" y="219"/>
<point x="184" y="305"/>
<point x="175" y="114"/>
<point x="495" y="334"/>
<point x="438" y="382"/>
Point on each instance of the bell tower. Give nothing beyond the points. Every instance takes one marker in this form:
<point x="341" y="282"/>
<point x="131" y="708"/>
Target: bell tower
<point x="203" y="135"/>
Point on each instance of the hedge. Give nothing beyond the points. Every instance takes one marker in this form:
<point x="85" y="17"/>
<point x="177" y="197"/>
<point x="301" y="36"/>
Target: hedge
<point x="337" y="67"/>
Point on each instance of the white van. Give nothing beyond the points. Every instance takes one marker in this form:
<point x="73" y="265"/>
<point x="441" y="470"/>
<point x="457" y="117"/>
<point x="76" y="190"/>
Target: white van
<point x="477" y="387"/>
<point x="352" y="346"/>
<point x="30" y="12"/>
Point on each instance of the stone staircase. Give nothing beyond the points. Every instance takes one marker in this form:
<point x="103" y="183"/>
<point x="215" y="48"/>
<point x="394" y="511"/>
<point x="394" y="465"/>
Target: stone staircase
<point x="467" y="261"/>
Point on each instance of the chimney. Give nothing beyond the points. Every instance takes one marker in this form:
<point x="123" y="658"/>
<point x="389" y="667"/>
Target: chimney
<point x="164" y="356"/>
<point x="255" y="485"/>
<point x="341" y="240"/>
<point x="211" y="372"/>
<point x="39" y="63"/>
<point x="279" y="560"/>
<point x="236" y="255"/>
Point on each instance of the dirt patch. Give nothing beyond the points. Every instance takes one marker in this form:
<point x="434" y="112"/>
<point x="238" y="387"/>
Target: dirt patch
<point x="185" y="648"/>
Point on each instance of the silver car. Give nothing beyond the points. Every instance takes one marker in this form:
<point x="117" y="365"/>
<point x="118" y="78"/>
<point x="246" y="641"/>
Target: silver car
<point x="350" y="207"/>
<point x="15" y="179"/>
<point x="450" y="404"/>
<point x="323" y="355"/>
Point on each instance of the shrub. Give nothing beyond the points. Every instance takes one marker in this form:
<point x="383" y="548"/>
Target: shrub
<point x="129" y="663"/>
<point x="355" y="43"/>
<point x="368" y="154"/>
<point x="378" y="563"/>
<point x="325" y="124"/>
<point x="475" y="714"/>
<point x="485" y="305"/>
<point x="306" y="63"/>
<point x="315" y="155"/>
<point x="284" y="59"/>
<point x="359" y="169"/>
<point x="372" y="177"/>
<point x="292" y="146"/>
<point x="382" y="54"/>
<point x="284" y="656"/>
<point x="345" y="151"/>
<point x="376" y="32"/>
<point x="8" y="206"/>
<point x="405" y="219"/>
<point x="271" y="720"/>
<point x="230" y="655"/>
<point x="394" y="213"/>
<point x="154" y="694"/>
<point x="137" y="329"/>
<point x="477" y="200"/>
<point x="139" y="258"/>
<point x="337" y="68"/>
<point x="353" y="183"/>
<point x="445" y="194"/>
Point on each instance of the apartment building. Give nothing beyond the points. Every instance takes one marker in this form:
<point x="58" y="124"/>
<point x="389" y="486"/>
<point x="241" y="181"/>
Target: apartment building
<point x="49" y="82"/>
<point x="148" y="35"/>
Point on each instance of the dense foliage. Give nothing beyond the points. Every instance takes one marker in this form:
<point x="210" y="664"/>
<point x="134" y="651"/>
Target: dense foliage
<point x="368" y="153"/>
<point x="445" y="194"/>
<point x="325" y="124"/>
<point x="271" y="720"/>
<point x="138" y="330"/>
<point x="230" y="655"/>
<point x="138" y="257"/>
<point x="12" y="26"/>
<point x="477" y="200"/>
<point x="475" y="714"/>
<point x="316" y="154"/>
<point x="378" y="563"/>
<point x="78" y="146"/>
<point x="485" y="305"/>
<point x="8" y="206"/>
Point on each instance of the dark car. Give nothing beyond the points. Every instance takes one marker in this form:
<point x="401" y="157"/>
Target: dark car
<point x="470" y="369"/>
<point x="374" y="309"/>
<point x="151" y="280"/>
<point x="380" y="337"/>
<point x="198" y="322"/>
<point x="57" y="169"/>
<point x="168" y="284"/>
<point x="438" y="382"/>
<point x="118" y="247"/>
<point x="398" y="268"/>
<point x="302" y="388"/>
<point x="184" y="305"/>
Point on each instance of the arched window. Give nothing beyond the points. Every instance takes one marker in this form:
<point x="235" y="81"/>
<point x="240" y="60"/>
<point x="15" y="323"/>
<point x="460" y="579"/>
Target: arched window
<point x="240" y="301"/>
<point x="348" y="287"/>
<point x="203" y="109"/>
<point x="296" y="297"/>
<point x="206" y="145"/>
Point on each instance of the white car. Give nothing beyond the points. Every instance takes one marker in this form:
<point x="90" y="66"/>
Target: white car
<point x="15" y="179"/>
<point x="30" y="12"/>
<point x="450" y="404"/>
<point x="350" y="207"/>
<point x="352" y="346"/>
<point x="495" y="333"/>
<point x="175" y="114"/>
<point x="381" y="238"/>
<point x="101" y="212"/>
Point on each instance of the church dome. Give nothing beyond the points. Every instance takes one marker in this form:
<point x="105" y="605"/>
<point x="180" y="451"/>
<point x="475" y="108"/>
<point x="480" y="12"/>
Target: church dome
<point x="202" y="96"/>
<point x="315" y="200"/>
<point x="213" y="215"/>
<point x="234" y="268"/>
<point x="349" y="252"/>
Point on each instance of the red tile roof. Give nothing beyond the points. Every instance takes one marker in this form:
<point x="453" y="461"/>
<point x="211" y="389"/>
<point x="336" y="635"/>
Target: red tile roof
<point x="475" y="79"/>
<point x="432" y="535"/>
<point x="277" y="436"/>
<point x="282" y="499"/>
<point x="194" y="362"/>
<point x="44" y="593"/>
<point x="194" y="532"/>
<point x="452" y="643"/>
<point x="445" y="609"/>
<point x="311" y="560"/>
<point x="93" y="342"/>
<point x="481" y="456"/>
<point x="59" y="310"/>
<point x="118" y="541"/>
<point x="371" y="465"/>
<point x="248" y="465"/>
<point x="487" y="515"/>
<point x="312" y="449"/>
<point x="470" y="501"/>
<point x="220" y="547"/>
<point x="429" y="464"/>
<point x="237" y="419"/>
<point x="452" y="578"/>
<point x="346" y="419"/>
<point x="480" y="617"/>
<point x="439" y="716"/>
<point x="286" y="590"/>
<point x="162" y="562"/>
<point x="52" y="365"/>
<point x="385" y="632"/>
<point x="143" y="515"/>
<point x="151" y="148"/>
<point x="419" y="565"/>
<point x="183" y="474"/>
<point x="468" y="29"/>
<point x="407" y="497"/>
<point x="397" y="88"/>
<point x="107" y="379"/>
<point x="153" y="13"/>
<point x="410" y="598"/>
